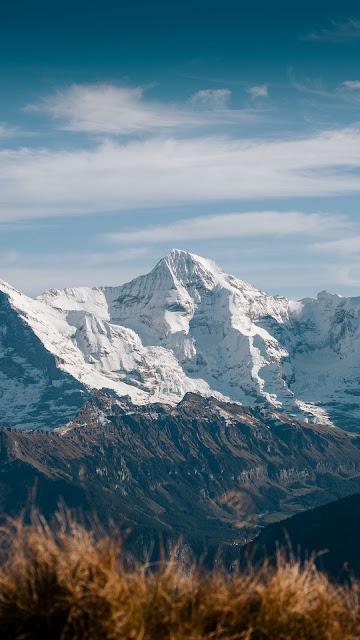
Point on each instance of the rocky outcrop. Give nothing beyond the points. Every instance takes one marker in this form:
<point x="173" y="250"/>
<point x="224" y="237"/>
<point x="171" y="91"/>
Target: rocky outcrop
<point x="204" y="469"/>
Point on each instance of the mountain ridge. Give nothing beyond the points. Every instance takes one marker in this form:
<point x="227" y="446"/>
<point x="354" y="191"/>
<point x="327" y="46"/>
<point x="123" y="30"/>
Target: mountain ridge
<point x="198" y="469"/>
<point x="187" y="326"/>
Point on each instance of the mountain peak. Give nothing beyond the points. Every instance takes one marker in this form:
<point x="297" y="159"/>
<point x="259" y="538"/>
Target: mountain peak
<point x="187" y="326"/>
<point x="189" y="268"/>
<point x="325" y="295"/>
<point x="177" y="253"/>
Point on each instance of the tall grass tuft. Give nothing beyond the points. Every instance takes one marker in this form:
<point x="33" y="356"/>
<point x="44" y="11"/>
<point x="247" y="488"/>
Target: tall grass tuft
<point x="67" y="583"/>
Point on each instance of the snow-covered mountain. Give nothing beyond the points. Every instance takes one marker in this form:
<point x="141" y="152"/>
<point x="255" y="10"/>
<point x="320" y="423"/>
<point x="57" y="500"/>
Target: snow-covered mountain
<point x="185" y="326"/>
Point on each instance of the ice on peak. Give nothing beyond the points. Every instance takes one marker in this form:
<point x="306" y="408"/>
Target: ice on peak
<point x="180" y="258"/>
<point x="193" y="271"/>
<point x="190" y="269"/>
<point x="189" y="326"/>
<point x="7" y="288"/>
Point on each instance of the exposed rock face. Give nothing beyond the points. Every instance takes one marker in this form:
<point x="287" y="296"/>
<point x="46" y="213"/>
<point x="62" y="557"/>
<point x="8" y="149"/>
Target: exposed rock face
<point x="183" y="469"/>
<point x="185" y="327"/>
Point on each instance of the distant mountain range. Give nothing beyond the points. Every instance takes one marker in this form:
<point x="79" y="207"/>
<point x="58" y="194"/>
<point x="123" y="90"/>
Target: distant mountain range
<point x="209" y="471"/>
<point x="185" y="327"/>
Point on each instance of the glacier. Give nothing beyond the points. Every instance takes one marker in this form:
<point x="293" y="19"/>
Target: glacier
<point x="185" y="327"/>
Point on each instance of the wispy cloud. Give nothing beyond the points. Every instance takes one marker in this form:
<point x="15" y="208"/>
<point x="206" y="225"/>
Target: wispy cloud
<point x="258" y="91"/>
<point x="345" y="92"/>
<point x="104" y="108"/>
<point x="343" y="246"/>
<point x="7" y="131"/>
<point x="101" y="258"/>
<point x="311" y="85"/>
<point x="234" y="225"/>
<point x="39" y="183"/>
<point x="110" y="109"/>
<point x="352" y="84"/>
<point x="211" y="98"/>
<point x="346" y="275"/>
<point x="337" y="32"/>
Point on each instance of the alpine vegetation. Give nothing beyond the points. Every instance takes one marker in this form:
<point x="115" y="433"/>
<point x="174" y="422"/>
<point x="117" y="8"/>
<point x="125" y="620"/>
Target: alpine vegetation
<point x="68" y="583"/>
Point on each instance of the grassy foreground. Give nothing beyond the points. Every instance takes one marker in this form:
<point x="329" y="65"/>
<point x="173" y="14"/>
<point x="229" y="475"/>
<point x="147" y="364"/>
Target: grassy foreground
<point x="73" y="584"/>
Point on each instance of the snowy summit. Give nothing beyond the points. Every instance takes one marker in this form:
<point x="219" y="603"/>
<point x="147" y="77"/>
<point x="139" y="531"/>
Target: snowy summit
<point x="185" y="326"/>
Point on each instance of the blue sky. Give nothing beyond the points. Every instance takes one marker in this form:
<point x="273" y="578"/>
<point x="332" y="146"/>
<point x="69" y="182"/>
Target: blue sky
<point x="228" y="129"/>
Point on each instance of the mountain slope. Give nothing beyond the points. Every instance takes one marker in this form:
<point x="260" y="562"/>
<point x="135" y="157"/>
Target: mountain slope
<point x="330" y="531"/>
<point x="187" y="308"/>
<point x="181" y="470"/>
<point x="33" y="388"/>
<point x="189" y="327"/>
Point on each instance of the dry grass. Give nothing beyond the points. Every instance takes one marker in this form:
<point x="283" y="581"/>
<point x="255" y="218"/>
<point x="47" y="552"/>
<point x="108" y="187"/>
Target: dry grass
<point x="73" y="584"/>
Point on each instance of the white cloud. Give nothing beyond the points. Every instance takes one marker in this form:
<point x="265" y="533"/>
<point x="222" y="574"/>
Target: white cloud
<point x="344" y="246"/>
<point x="313" y="85"/>
<point x="110" y="109"/>
<point x="352" y="84"/>
<point x="346" y="91"/>
<point x="337" y="32"/>
<point x="104" y="108"/>
<point x="102" y="258"/>
<point x="7" y="131"/>
<point x="157" y="172"/>
<point x="234" y="225"/>
<point x="258" y="91"/>
<point x="211" y="98"/>
<point x="344" y="275"/>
